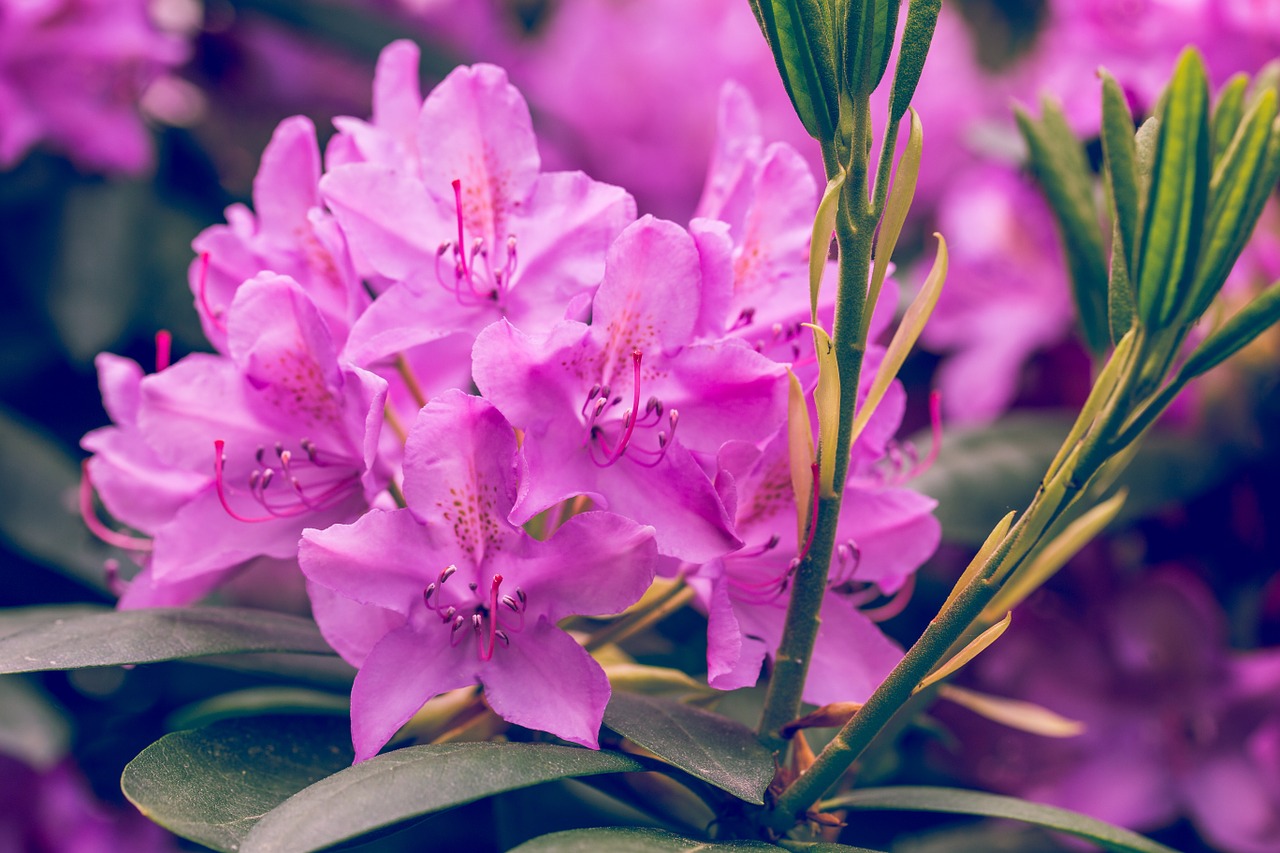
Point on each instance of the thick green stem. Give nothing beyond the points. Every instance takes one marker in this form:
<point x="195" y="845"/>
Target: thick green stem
<point x="791" y="662"/>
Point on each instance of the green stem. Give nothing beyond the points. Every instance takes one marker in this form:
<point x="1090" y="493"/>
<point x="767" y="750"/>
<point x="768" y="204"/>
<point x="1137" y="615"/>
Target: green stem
<point x="791" y="661"/>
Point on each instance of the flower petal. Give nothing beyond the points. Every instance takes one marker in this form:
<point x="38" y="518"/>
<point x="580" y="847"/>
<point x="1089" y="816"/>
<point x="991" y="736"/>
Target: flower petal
<point x="544" y="680"/>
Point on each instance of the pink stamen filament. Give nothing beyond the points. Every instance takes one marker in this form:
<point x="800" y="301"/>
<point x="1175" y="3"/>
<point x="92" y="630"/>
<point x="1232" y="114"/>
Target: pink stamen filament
<point x="95" y="525"/>
<point x="458" y="251"/>
<point x="598" y="401"/>
<point x="202" y="291"/>
<point x="164" y="349"/>
<point x="895" y="605"/>
<point x="935" y="435"/>
<point x="300" y="498"/>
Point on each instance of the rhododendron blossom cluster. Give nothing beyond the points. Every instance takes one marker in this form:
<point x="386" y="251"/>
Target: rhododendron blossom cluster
<point x="486" y="397"/>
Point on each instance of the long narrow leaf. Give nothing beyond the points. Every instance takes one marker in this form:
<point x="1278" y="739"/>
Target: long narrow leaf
<point x="1063" y="172"/>
<point x="904" y="338"/>
<point x="1179" y="190"/>
<point x="922" y="18"/>
<point x="416" y="781"/>
<point x="1121" y="155"/>
<point x="1235" y="334"/>
<point x="146" y="636"/>
<point x="900" y="196"/>
<point x="979" y="644"/>
<point x="959" y="801"/>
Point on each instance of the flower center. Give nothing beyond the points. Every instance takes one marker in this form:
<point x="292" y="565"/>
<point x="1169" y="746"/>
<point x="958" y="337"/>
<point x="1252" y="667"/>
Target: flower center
<point x="608" y="438"/>
<point x="478" y="276"/>
<point x="287" y="484"/>
<point x="493" y="617"/>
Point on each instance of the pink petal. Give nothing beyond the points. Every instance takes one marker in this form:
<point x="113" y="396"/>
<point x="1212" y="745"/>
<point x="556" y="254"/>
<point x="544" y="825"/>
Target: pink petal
<point x="400" y="674"/>
<point x="544" y="680"/>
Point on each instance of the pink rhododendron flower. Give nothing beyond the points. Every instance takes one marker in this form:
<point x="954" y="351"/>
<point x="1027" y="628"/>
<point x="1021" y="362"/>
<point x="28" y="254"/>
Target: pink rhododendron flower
<point x="291" y="234"/>
<point x="451" y="594"/>
<point x="71" y="75"/>
<point x="473" y="231"/>
<point x="886" y="532"/>
<point x="1007" y="293"/>
<point x="623" y="409"/>
<point x="221" y="460"/>
<point x="652" y="130"/>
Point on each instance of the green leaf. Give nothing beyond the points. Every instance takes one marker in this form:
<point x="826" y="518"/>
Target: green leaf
<point x="922" y="18"/>
<point x="709" y="746"/>
<point x="959" y="801"/>
<point x="1063" y="172"/>
<point x="212" y="785"/>
<point x="798" y="33"/>
<point x="1231" y="216"/>
<point x="38" y="503"/>
<point x="1174" y="213"/>
<point x="1120" y="153"/>
<point x="626" y="839"/>
<point x="320" y="670"/>
<point x="416" y="781"/>
<point x="1235" y="334"/>
<point x="875" y="23"/>
<point x="1227" y="113"/>
<point x="147" y="636"/>
<point x="259" y="701"/>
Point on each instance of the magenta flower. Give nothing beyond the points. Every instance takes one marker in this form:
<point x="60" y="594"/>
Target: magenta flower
<point x="447" y="593"/>
<point x="767" y="197"/>
<point x="291" y="234"/>
<point x="469" y="229"/>
<point x="886" y="532"/>
<point x="223" y="460"/>
<point x="1007" y="294"/>
<point x="71" y="75"/>
<point x="624" y="410"/>
<point x="653" y="131"/>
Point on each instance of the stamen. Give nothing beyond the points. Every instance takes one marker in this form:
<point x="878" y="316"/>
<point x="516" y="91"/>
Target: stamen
<point x="458" y="253"/>
<point x="96" y="527"/>
<point x="164" y="349"/>
<point x="935" y="437"/>
<point x="219" y="459"/>
<point x="895" y="605"/>
<point x="202" y="293"/>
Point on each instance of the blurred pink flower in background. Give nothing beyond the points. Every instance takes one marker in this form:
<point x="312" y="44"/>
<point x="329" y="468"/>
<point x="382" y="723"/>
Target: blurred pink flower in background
<point x="71" y="76"/>
<point x="1177" y="723"/>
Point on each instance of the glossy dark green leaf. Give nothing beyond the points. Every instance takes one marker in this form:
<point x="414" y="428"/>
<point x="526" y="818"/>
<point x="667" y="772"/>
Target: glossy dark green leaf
<point x="626" y="839"/>
<point x="416" y="781"/>
<point x="917" y="35"/>
<point x="1062" y="170"/>
<point x="259" y="701"/>
<point x="320" y="670"/>
<point x="709" y="746"/>
<point x="38" y="512"/>
<point x="1174" y="215"/>
<point x="211" y="785"/>
<point x="959" y="801"/>
<point x="146" y="636"/>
